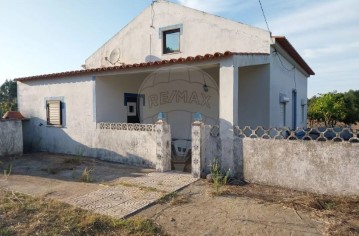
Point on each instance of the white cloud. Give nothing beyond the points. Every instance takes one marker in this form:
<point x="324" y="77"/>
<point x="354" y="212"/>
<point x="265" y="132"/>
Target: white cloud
<point x="330" y="50"/>
<point x="319" y="16"/>
<point x="326" y="35"/>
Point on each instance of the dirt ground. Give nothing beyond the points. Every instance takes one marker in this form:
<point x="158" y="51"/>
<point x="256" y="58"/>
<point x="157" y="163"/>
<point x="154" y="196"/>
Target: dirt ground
<point x="240" y="210"/>
<point x="60" y="176"/>
<point x="254" y="210"/>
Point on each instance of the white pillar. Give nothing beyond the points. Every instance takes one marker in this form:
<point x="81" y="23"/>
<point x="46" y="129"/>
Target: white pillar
<point x="228" y="112"/>
<point x="163" y="148"/>
<point x="197" y="149"/>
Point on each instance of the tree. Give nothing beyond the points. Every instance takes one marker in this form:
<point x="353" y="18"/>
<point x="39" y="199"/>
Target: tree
<point x="351" y="99"/>
<point x="8" y="96"/>
<point x="334" y="107"/>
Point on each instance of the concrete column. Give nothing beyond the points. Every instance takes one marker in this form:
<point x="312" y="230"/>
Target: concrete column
<point x="163" y="146"/>
<point x="228" y="112"/>
<point x="197" y="150"/>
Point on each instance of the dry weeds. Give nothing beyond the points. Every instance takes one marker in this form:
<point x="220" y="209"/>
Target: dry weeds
<point x="340" y="214"/>
<point x="24" y="215"/>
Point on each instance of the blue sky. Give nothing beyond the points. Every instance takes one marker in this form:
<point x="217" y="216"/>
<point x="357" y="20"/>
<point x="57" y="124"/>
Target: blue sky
<point x="42" y="36"/>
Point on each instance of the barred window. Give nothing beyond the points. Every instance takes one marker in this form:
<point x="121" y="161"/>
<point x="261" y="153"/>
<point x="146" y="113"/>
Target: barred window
<point x="54" y="112"/>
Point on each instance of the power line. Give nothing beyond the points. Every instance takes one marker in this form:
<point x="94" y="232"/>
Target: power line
<point x="275" y="51"/>
<point x="264" y="15"/>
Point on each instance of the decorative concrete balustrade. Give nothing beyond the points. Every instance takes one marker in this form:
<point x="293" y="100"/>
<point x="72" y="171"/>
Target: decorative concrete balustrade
<point x="126" y="126"/>
<point x="316" y="134"/>
<point x="319" y="160"/>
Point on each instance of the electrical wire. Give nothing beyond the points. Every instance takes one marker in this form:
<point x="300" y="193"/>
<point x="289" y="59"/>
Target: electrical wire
<point x="265" y="18"/>
<point x="281" y="62"/>
<point x="275" y="51"/>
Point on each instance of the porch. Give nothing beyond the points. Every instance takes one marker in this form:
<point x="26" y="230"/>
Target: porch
<point x="226" y="92"/>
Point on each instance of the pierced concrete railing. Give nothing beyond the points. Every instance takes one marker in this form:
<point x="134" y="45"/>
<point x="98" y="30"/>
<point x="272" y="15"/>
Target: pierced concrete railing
<point x="127" y="126"/>
<point x="316" y="134"/>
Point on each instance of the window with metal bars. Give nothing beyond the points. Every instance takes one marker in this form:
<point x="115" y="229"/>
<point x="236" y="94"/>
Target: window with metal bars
<point x="54" y="112"/>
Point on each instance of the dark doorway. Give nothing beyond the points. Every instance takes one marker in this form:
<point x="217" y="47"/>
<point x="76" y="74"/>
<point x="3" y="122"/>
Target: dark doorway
<point x="133" y="103"/>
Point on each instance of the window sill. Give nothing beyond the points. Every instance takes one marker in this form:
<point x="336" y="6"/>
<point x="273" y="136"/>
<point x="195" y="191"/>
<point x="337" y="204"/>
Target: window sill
<point x="55" y="126"/>
<point x="171" y="53"/>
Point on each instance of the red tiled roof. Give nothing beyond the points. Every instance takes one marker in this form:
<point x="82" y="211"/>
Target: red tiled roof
<point x="13" y="115"/>
<point x="285" y="44"/>
<point x="137" y="65"/>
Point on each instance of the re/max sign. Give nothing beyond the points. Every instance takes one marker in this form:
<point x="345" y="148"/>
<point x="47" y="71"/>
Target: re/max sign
<point x="177" y="96"/>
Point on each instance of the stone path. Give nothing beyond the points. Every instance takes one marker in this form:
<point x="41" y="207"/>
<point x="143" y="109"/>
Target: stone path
<point x="131" y="194"/>
<point x="116" y="190"/>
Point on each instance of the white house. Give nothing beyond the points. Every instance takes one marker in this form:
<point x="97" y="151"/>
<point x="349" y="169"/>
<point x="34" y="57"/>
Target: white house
<point x="171" y="60"/>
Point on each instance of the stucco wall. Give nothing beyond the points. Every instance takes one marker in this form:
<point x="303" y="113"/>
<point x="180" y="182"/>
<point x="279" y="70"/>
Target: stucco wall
<point x="253" y="96"/>
<point x="110" y="92"/>
<point x="283" y="79"/>
<point x="202" y="33"/>
<point x="79" y="135"/>
<point x="319" y="167"/>
<point x="10" y="138"/>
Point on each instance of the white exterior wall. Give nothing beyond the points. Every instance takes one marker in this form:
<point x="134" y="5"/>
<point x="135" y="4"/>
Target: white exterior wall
<point x="110" y="96"/>
<point x="253" y="96"/>
<point x="202" y="33"/>
<point x="110" y="92"/>
<point x="284" y="81"/>
<point x="79" y="135"/>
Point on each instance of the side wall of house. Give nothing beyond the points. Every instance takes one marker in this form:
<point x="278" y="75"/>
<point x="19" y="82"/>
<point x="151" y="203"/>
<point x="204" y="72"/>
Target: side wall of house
<point x="202" y="33"/>
<point x="283" y="80"/>
<point x="79" y="134"/>
<point x="253" y="96"/>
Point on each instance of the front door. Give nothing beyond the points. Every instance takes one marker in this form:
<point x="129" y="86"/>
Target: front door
<point x="133" y="111"/>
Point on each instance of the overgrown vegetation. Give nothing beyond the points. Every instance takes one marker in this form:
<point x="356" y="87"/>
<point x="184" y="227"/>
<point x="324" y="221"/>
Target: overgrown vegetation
<point x="86" y="175"/>
<point x="218" y="176"/>
<point x="7" y="169"/>
<point x="339" y="214"/>
<point x="333" y="108"/>
<point x="8" y="95"/>
<point x="76" y="160"/>
<point x="24" y="215"/>
<point x="175" y="199"/>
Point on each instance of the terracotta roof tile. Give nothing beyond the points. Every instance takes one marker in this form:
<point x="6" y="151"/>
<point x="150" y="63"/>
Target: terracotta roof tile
<point x="13" y="115"/>
<point x="287" y="46"/>
<point x="136" y="65"/>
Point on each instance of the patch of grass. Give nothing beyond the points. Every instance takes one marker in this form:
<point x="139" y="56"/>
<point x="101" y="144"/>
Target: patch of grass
<point x="77" y="160"/>
<point x="339" y="213"/>
<point x="144" y="188"/>
<point x="56" y="170"/>
<point x="4" y="231"/>
<point x="24" y="215"/>
<point x="219" y="179"/>
<point x="166" y="198"/>
<point x="7" y="169"/>
<point x="53" y="171"/>
<point x="175" y="199"/>
<point x="86" y="175"/>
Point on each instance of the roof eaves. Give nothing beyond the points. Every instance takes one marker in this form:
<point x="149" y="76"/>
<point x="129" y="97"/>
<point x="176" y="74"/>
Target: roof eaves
<point x="288" y="47"/>
<point x="136" y="65"/>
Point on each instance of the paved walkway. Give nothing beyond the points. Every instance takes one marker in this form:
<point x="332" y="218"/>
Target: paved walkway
<point x="131" y="194"/>
<point x="116" y="190"/>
